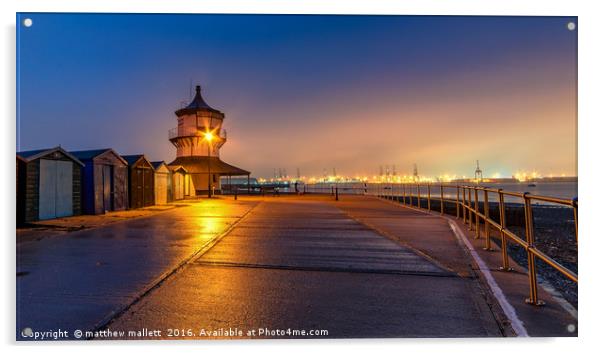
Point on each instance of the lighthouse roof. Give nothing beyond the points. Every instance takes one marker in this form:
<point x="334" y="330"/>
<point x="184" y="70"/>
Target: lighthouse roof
<point x="197" y="104"/>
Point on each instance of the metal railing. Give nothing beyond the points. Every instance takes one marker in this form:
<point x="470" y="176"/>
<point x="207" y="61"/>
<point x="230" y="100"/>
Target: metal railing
<point x="468" y="200"/>
<point x="332" y="188"/>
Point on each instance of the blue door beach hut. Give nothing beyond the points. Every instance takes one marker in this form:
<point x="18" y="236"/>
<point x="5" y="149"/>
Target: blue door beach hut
<point x="50" y="184"/>
<point x="104" y="179"/>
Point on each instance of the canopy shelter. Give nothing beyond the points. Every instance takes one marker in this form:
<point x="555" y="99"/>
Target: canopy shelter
<point x="201" y="169"/>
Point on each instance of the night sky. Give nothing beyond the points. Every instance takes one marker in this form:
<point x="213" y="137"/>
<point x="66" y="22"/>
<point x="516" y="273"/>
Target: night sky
<point x="309" y="92"/>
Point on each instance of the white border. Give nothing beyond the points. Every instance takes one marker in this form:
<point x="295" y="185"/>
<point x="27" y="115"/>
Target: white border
<point x="589" y="168"/>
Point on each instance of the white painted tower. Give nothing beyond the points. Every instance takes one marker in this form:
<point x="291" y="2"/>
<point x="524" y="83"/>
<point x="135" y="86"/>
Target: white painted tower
<point x="198" y="139"/>
<point x="195" y="122"/>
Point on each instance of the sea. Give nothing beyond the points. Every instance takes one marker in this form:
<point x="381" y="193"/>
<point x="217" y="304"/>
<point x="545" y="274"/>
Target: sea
<point x="563" y="190"/>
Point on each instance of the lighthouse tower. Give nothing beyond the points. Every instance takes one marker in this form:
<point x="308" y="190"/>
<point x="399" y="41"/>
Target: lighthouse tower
<point x="198" y="139"/>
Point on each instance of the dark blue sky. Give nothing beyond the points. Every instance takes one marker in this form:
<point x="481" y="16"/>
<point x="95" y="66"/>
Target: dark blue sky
<point x="314" y="92"/>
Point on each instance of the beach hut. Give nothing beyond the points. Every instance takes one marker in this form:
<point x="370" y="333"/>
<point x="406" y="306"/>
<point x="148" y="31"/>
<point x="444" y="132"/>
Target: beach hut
<point x="178" y="182"/>
<point x="49" y="184"/>
<point x="20" y="189"/>
<point x="141" y="181"/>
<point x="162" y="182"/>
<point x="104" y="181"/>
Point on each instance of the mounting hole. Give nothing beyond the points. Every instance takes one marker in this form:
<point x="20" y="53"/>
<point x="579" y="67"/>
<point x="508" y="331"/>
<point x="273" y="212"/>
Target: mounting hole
<point x="571" y="328"/>
<point x="27" y="332"/>
<point x="27" y="22"/>
<point x="571" y="26"/>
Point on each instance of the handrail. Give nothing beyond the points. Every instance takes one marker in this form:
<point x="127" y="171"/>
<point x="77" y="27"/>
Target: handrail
<point x="467" y="200"/>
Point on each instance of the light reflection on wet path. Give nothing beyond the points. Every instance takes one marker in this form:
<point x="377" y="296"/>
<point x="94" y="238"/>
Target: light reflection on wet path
<point x="75" y="281"/>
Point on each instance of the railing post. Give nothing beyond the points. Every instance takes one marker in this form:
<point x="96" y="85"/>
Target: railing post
<point x="470" y="208"/>
<point x="464" y="204"/>
<point x="502" y="206"/>
<point x="477" y="218"/>
<point x="428" y="199"/>
<point x="336" y="193"/>
<point x="457" y="201"/>
<point x="236" y="193"/>
<point x="404" y="193"/>
<point x="442" y="206"/>
<point x="418" y="191"/>
<point x="533" y="300"/>
<point x="487" y="226"/>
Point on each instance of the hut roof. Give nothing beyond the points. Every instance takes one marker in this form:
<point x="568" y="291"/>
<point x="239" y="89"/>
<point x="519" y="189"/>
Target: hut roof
<point x="160" y="167"/>
<point x="199" y="164"/>
<point x="133" y="159"/>
<point x="197" y="104"/>
<point x="90" y="154"/>
<point x="176" y="168"/>
<point x="31" y="155"/>
<point x="157" y="164"/>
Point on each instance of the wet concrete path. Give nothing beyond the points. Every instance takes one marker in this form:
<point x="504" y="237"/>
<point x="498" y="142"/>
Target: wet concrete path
<point x="81" y="279"/>
<point x="306" y="264"/>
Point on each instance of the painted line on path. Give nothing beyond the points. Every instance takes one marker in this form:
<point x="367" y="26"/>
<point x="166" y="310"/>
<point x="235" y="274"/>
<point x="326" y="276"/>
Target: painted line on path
<point x="509" y="311"/>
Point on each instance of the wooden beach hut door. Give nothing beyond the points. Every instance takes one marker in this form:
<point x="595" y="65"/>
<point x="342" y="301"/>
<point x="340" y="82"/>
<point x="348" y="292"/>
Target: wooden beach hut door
<point x="120" y="187"/>
<point x="149" y="190"/>
<point x="137" y="188"/>
<point x="56" y="189"/>
<point x="107" y="183"/>
<point x="178" y="186"/>
<point x="161" y="188"/>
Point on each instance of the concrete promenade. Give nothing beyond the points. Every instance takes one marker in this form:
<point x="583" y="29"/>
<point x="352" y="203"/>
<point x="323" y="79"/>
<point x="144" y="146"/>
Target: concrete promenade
<point x="359" y="267"/>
